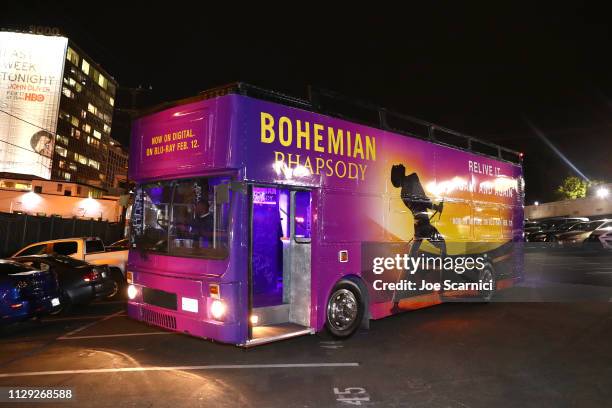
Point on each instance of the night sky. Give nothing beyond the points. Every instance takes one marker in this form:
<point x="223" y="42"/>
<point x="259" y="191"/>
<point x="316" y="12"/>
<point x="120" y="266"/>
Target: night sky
<point x="484" y="71"/>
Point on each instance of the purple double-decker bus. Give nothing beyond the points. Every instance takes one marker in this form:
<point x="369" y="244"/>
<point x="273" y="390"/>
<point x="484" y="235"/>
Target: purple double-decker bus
<point x="259" y="217"/>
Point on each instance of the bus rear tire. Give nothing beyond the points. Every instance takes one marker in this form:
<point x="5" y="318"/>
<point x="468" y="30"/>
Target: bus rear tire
<point x="487" y="274"/>
<point x="345" y="309"/>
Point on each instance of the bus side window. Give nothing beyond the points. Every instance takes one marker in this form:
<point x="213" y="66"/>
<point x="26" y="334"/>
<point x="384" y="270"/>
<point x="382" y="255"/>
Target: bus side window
<point x="302" y="216"/>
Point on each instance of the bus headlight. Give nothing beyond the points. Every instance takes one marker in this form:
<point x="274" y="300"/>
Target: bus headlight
<point x="132" y="292"/>
<point x="217" y="309"/>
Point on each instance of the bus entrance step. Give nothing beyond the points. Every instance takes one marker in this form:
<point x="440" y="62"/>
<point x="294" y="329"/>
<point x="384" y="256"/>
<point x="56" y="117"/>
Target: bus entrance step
<point x="268" y="334"/>
<point x="272" y="314"/>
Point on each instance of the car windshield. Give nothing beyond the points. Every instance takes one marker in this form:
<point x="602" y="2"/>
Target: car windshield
<point x="586" y="226"/>
<point x="94" y="245"/>
<point x="566" y="227"/>
<point x="182" y="217"/>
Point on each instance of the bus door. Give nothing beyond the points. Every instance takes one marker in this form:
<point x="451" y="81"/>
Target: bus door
<point x="280" y="269"/>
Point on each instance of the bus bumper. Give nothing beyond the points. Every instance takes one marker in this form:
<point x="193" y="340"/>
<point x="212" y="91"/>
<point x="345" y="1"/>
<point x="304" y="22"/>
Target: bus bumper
<point x="193" y="326"/>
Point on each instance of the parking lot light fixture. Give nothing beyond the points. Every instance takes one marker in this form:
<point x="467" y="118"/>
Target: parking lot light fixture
<point x="602" y="192"/>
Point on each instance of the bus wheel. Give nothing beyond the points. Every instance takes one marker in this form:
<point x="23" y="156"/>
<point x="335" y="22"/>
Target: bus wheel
<point x="486" y="275"/>
<point x="345" y="309"/>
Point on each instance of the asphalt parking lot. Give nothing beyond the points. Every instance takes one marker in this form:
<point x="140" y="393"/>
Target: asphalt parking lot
<point x="533" y="354"/>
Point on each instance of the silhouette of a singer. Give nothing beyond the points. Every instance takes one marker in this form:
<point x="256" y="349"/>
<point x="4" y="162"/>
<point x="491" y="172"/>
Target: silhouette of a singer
<point x="414" y="197"/>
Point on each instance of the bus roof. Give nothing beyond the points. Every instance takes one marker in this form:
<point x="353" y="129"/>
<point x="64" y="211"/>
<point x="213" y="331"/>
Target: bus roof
<point x="332" y="104"/>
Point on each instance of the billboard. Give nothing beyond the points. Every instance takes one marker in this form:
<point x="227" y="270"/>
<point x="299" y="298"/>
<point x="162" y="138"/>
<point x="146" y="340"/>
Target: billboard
<point x="31" y="69"/>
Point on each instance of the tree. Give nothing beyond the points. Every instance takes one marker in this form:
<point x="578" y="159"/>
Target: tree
<point x="572" y="188"/>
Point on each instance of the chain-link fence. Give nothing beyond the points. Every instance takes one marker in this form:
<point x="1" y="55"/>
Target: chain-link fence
<point x="19" y="230"/>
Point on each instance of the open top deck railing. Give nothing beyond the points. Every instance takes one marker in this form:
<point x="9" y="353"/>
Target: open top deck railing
<point x="333" y="104"/>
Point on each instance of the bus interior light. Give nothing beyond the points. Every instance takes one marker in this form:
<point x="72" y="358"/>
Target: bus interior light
<point x="254" y="320"/>
<point x="217" y="309"/>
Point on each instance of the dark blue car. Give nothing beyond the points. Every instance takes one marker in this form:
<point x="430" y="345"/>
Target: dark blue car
<point x="26" y="292"/>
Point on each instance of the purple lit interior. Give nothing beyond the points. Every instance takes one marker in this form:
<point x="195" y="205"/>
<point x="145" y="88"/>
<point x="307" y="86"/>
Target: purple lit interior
<point x="270" y="225"/>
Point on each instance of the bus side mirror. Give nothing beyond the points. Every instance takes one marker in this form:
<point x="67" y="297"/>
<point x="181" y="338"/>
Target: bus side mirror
<point x="222" y="194"/>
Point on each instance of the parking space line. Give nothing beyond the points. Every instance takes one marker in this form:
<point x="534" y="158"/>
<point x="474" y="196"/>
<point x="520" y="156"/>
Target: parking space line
<point x="99" y="336"/>
<point x="177" y="368"/>
<point x="88" y="325"/>
<point x="66" y="319"/>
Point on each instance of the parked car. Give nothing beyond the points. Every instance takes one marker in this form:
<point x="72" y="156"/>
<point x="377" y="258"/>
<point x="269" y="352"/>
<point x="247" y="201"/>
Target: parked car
<point x="605" y="239"/>
<point x="80" y="282"/>
<point x="26" y="292"/>
<point x="548" y="230"/>
<point x="531" y="226"/>
<point x="579" y="233"/>
<point x="600" y="238"/>
<point x="88" y="249"/>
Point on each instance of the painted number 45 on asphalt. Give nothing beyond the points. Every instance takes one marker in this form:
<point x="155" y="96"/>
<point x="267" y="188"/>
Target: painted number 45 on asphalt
<point x="352" y="395"/>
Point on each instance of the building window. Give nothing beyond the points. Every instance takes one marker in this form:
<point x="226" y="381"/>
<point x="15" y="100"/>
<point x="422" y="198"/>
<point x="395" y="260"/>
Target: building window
<point x="94" y="142"/>
<point x="62" y="139"/>
<point x="94" y="164"/>
<point x="72" y="56"/>
<point x="78" y="190"/>
<point x="97" y="134"/>
<point x="85" y="67"/>
<point x="72" y="167"/>
<point x="60" y="187"/>
<point x="75" y="121"/>
<point x="80" y="158"/>
<point x="67" y="92"/>
<point x="107" y="128"/>
<point x="87" y="128"/>
<point x="61" y="151"/>
<point x="102" y="81"/>
<point x="111" y="101"/>
<point x="83" y="113"/>
<point x="92" y="108"/>
<point x="67" y="175"/>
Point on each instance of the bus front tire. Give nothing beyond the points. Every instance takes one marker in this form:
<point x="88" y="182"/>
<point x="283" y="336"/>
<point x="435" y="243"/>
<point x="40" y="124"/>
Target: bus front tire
<point x="345" y="309"/>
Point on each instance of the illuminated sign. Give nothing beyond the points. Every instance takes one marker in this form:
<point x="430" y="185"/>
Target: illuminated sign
<point x="31" y="68"/>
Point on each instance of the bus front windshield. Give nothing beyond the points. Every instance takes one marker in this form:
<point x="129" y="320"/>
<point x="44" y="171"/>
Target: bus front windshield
<point x="182" y="217"/>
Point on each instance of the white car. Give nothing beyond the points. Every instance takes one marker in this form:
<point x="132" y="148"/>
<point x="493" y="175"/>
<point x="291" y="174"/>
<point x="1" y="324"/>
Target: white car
<point x="88" y="249"/>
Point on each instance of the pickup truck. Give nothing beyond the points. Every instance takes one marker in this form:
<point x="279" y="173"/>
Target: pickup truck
<point x="88" y="249"/>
